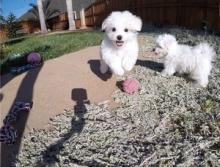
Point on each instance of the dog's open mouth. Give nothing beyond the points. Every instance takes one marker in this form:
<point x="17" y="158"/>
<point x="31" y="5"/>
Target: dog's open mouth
<point x="119" y="43"/>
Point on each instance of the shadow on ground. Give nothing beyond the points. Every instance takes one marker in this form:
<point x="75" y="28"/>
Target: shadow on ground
<point x="24" y="94"/>
<point x="159" y="67"/>
<point x="14" y="41"/>
<point x="1" y="96"/>
<point x="6" y="78"/>
<point x="150" y="64"/>
<point x="49" y="156"/>
<point x="94" y="66"/>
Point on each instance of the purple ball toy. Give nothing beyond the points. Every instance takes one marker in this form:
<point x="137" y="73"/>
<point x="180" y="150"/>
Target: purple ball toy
<point x="34" y="58"/>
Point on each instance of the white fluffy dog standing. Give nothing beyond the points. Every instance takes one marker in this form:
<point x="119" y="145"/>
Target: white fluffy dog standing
<point x="119" y="48"/>
<point x="196" y="61"/>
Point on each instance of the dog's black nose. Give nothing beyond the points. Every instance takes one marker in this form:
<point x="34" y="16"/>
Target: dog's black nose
<point x="119" y="37"/>
<point x="153" y="50"/>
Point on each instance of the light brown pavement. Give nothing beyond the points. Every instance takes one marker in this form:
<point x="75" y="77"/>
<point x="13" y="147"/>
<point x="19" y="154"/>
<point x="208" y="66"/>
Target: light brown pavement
<point x="57" y="86"/>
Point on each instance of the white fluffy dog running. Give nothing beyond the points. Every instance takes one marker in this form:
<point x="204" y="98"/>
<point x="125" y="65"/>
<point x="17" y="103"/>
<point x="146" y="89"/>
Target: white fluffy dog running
<point x="119" y="48"/>
<point x="195" y="61"/>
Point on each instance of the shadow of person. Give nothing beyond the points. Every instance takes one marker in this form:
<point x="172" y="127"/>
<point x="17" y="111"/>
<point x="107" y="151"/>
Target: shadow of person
<point x="94" y="66"/>
<point x="150" y="64"/>
<point x="25" y="94"/>
<point x="79" y="96"/>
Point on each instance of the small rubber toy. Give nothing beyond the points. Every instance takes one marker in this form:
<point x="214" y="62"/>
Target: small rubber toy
<point x="15" y="56"/>
<point x="130" y="86"/>
<point x="17" y="70"/>
<point x="8" y="134"/>
<point x="34" y="58"/>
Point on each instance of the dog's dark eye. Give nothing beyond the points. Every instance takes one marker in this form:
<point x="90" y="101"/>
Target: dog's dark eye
<point x="113" y="29"/>
<point x="126" y="30"/>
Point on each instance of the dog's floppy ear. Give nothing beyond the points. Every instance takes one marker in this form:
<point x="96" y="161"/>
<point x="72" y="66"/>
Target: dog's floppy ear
<point x="170" y="39"/>
<point x="135" y="21"/>
<point x="104" y="24"/>
<point x="108" y="20"/>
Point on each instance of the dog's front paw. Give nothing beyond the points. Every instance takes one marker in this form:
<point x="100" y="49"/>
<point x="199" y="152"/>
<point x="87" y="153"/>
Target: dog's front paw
<point x="164" y="73"/>
<point x="203" y="83"/>
<point x="167" y="72"/>
<point x="119" y="72"/>
<point x="127" y="65"/>
<point x="103" y="69"/>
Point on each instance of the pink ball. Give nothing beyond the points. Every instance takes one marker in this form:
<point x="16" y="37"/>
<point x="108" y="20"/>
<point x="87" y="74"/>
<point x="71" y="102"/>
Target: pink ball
<point x="34" y="58"/>
<point x="130" y="86"/>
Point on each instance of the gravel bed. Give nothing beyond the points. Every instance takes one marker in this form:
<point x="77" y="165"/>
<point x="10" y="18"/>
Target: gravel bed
<point x="169" y="122"/>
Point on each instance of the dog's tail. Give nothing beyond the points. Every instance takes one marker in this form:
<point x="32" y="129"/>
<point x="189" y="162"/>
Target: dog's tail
<point x="204" y="50"/>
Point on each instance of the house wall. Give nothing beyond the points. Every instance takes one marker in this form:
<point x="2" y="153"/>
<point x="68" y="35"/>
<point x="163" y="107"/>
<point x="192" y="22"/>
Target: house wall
<point x="29" y="27"/>
<point x="59" y="22"/>
<point x="78" y="23"/>
<point x="3" y="34"/>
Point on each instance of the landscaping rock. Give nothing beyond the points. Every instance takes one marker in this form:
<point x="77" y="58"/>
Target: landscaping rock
<point x="169" y="122"/>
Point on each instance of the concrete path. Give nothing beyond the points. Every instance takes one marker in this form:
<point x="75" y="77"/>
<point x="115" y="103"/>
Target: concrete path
<point x="58" y="85"/>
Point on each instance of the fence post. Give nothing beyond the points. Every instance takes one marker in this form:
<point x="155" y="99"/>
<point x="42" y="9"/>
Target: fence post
<point x="205" y="10"/>
<point x="82" y="18"/>
<point x="219" y="9"/>
<point x="180" y="13"/>
<point x="106" y="6"/>
<point x="93" y="15"/>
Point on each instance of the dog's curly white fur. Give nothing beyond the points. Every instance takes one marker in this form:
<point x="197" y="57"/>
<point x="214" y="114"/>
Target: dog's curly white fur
<point x="196" y="61"/>
<point x="119" y="48"/>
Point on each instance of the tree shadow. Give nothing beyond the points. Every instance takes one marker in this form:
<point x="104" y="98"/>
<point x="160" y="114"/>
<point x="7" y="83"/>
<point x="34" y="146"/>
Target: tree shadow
<point x="15" y="40"/>
<point x="94" y="66"/>
<point x="49" y="156"/>
<point x="25" y="94"/>
<point x="1" y="96"/>
<point x="5" y="79"/>
<point x="151" y="65"/>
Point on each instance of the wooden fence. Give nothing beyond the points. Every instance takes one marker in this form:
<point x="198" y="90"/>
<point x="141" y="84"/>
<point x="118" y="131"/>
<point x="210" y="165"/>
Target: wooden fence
<point x="186" y="13"/>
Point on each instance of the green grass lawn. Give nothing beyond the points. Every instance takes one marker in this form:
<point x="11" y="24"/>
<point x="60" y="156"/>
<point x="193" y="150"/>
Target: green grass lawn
<point x="49" y="46"/>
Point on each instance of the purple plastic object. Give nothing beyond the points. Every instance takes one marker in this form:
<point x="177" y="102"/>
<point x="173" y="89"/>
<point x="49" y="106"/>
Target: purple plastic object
<point x="34" y="58"/>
